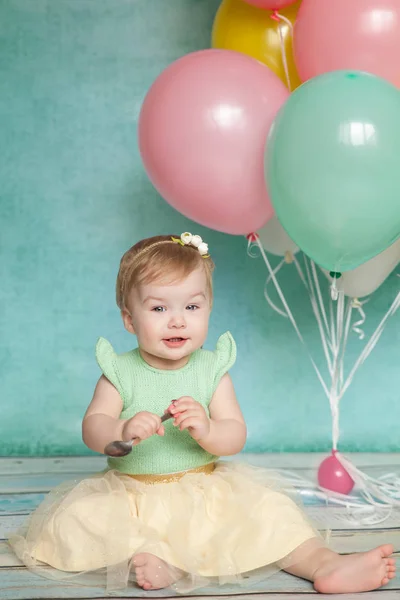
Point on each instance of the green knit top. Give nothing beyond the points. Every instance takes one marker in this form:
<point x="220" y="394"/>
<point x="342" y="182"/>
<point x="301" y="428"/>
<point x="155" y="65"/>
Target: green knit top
<point x="145" y="388"/>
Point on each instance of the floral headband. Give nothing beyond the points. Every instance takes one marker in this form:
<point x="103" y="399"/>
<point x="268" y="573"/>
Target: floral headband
<point x="187" y="239"/>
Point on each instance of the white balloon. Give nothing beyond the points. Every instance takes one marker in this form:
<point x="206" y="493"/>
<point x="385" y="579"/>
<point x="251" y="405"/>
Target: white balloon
<point x="366" y="278"/>
<point x="275" y="239"/>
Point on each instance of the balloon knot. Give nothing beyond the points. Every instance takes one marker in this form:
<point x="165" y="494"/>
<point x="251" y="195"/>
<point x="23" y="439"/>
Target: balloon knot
<point x="252" y="237"/>
<point x="275" y="16"/>
<point x="289" y="258"/>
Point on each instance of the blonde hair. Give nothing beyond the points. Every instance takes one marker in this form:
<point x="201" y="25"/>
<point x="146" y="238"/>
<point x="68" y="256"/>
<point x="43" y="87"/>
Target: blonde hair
<point x="156" y="258"/>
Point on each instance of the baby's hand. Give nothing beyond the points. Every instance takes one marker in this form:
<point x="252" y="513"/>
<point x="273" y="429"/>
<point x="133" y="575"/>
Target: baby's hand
<point x="189" y="414"/>
<point x="143" y="425"/>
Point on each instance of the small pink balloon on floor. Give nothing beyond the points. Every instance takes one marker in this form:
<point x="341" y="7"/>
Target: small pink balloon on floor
<point x="202" y="133"/>
<point x="362" y="35"/>
<point x="270" y="4"/>
<point x="333" y="476"/>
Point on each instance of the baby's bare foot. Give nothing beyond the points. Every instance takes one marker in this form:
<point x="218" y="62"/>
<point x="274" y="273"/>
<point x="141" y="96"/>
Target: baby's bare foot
<point x="356" y="572"/>
<point x="152" y="573"/>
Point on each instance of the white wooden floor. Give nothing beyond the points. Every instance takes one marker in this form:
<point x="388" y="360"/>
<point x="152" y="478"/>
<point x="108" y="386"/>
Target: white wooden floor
<point x="24" y="482"/>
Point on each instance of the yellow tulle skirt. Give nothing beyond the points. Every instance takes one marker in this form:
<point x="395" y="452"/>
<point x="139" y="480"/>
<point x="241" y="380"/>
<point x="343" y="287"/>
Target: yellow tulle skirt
<point x="213" y="526"/>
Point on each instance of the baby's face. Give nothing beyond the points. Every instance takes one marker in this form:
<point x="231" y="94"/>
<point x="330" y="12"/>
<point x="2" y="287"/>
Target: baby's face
<point x="170" y="319"/>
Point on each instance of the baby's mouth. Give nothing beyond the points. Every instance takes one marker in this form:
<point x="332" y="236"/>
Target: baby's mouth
<point x="174" y="341"/>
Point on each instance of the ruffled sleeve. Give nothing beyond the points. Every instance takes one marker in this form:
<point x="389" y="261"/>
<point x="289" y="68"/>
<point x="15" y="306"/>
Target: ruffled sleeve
<point x="111" y="365"/>
<point x="225" y="357"/>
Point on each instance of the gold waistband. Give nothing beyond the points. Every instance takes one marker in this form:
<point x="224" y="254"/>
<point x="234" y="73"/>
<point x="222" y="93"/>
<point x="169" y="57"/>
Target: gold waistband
<point x="171" y="477"/>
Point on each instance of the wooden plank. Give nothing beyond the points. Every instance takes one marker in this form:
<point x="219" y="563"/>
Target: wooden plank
<point x="68" y="464"/>
<point x="323" y="517"/>
<point x="10" y="523"/>
<point x="78" y="464"/>
<point x="16" y="583"/>
<point x="359" y="542"/>
<point x="312" y="460"/>
<point x="340" y="518"/>
<point x="345" y="542"/>
<point x="340" y="540"/>
<point x="39" y="482"/>
<point x="23" y="504"/>
<point x="7" y="557"/>
<point x="341" y="545"/>
<point x="383" y="595"/>
<point x="19" y="583"/>
<point x="36" y="483"/>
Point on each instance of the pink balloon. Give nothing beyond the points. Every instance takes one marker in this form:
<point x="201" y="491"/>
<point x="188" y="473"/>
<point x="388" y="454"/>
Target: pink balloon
<point x="270" y="4"/>
<point x="333" y="476"/>
<point x="202" y="132"/>
<point x="363" y="35"/>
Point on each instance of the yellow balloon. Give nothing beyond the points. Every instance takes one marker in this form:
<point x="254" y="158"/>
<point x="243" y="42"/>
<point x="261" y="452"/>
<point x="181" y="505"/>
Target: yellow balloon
<point x="250" y="30"/>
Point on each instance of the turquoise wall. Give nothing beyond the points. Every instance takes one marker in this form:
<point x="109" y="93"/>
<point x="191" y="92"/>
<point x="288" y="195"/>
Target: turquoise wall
<point x="74" y="197"/>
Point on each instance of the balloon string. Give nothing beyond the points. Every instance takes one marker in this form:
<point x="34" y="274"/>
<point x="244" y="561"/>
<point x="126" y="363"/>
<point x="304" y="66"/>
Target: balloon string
<point x="371" y="343"/>
<point x="335" y="344"/>
<point x="266" y="293"/>
<point x="314" y="284"/>
<point x="342" y="327"/>
<point x="334" y="351"/>
<point x="276" y="16"/>
<point x="288" y="311"/>
<point x="358" y="305"/>
<point x="383" y="493"/>
<point x="325" y="334"/>
<point x="251" y="238"/>
<point x="334" y="290"/>
<point x="320" y="299"/>
<point x="349" y="313"/>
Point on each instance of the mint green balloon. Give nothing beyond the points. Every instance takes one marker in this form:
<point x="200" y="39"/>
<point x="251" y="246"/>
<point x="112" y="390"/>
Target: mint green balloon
<point x="332" y="167"/>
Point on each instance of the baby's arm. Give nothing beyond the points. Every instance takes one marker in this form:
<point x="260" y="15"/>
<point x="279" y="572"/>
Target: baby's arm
<point x="102" y="425"/>
<point x="228" y="430"/>
<point x="225" y="432"/>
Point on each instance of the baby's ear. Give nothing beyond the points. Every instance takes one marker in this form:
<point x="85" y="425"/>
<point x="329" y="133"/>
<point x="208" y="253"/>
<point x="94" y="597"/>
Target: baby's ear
<point x="127" y="319"/>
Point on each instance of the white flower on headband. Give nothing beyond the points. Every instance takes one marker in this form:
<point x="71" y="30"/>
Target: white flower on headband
<point x="187" y="239"/>
<point x="196" y="241"/>
<point x="203" y="248"/>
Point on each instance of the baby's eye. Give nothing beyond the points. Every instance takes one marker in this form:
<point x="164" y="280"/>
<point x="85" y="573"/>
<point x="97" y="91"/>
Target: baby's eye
<point x="159" y="309"/>
<point x="192" y="307"/>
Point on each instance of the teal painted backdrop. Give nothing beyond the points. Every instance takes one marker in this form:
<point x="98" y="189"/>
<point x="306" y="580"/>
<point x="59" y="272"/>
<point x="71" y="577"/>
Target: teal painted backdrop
<point x="74" y="197"/>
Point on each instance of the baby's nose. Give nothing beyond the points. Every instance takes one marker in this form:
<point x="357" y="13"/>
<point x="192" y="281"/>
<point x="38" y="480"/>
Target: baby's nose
<point x="178" y="321"/>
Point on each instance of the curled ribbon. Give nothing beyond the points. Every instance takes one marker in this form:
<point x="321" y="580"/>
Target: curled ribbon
<point x="358" y="305"/>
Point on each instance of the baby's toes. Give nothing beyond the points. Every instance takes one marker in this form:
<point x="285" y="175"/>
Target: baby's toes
<point x="390" y="569"/>
<point x="140" y="578"/>
<point x="147" y="586"/>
